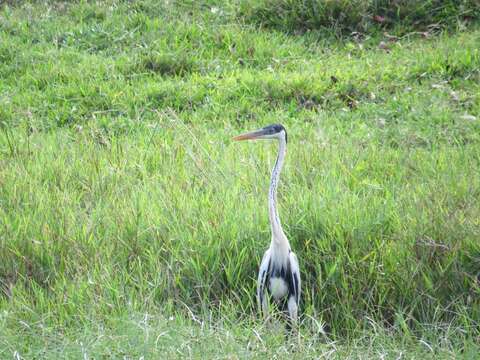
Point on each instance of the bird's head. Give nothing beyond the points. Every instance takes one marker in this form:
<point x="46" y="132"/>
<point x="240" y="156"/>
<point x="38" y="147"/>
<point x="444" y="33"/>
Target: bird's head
<point x="274" y="131"/>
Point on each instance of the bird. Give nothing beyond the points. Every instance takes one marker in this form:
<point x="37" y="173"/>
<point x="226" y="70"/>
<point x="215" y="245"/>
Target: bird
<point x="279" y="274"/>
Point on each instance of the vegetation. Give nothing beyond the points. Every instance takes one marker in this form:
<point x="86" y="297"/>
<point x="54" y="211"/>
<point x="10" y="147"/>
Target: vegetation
<point x="346" y="16"/>
<point x="126" y="212"/>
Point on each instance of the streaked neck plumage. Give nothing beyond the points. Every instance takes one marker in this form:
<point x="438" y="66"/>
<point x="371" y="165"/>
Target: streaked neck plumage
<point x="279" y="240"/>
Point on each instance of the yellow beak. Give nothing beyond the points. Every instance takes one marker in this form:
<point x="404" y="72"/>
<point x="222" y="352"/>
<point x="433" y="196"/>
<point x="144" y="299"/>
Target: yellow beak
<point x="250" y="135"/>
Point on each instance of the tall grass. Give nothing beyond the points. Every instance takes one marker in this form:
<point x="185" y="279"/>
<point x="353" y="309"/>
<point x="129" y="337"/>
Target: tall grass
<point x="121" y="192"/>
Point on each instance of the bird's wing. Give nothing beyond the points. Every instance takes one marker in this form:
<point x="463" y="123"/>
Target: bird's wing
<point x="296" y="276"/>
<point x="263" y="275"/>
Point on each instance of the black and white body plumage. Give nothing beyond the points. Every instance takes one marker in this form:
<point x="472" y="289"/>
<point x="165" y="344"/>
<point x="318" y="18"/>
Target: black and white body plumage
<point x="279" y="274"/>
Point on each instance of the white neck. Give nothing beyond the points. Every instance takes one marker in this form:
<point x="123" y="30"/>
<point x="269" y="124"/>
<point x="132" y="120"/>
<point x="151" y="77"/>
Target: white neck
<point x="278" y="236"/>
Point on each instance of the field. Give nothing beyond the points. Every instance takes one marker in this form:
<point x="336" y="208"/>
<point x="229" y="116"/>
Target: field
<point x="131" y="225"/>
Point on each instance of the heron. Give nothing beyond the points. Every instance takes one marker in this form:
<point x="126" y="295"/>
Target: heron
<point x="279" y="274"/>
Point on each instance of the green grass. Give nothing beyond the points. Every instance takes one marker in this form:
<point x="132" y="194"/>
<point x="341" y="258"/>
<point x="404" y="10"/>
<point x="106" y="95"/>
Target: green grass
<point x="366" y="16"/>
<point x="121" y="192"/>
<point x="144" y="335"/>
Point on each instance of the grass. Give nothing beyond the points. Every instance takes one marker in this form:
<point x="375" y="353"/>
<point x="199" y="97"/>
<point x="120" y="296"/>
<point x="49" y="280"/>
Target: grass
<point x="121" y="193"/>
<point x="366" y="16"/>
<point x="144" y="335"/>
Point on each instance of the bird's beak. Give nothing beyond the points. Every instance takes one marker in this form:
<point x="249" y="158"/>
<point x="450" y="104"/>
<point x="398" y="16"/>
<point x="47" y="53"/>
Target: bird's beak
<point x="257" y="134"/>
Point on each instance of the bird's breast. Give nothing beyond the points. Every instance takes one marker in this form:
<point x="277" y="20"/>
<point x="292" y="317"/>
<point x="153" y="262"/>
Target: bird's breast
<point x="278" y="288"/>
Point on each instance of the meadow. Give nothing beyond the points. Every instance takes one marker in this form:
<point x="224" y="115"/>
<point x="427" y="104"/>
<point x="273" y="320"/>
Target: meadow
<point x="132" y="226"/>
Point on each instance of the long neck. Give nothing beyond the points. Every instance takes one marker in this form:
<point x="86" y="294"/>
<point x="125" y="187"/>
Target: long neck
<point x="278" y="236"/>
